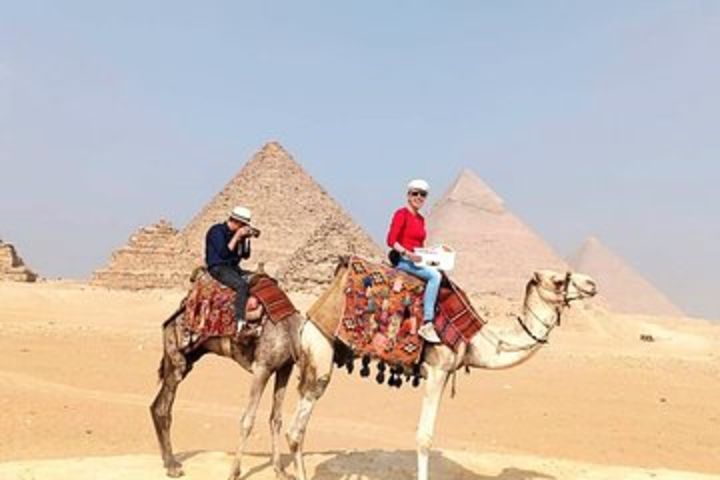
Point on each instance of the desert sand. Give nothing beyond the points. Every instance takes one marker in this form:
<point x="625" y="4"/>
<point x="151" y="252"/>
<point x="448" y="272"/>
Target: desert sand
<point x="78" y="373"/>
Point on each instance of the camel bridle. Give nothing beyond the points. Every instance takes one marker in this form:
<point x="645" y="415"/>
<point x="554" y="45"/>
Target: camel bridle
<point x="564" y="302"/>
<point x="558" y="304"/>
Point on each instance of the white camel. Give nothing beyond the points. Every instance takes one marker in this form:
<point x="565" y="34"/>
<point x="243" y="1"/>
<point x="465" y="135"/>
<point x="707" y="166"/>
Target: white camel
<point x="546" y="295"/>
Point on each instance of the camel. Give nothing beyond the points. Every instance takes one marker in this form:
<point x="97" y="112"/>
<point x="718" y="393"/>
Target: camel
<point x="546" y="295"/>
<point x="273" y="352"/>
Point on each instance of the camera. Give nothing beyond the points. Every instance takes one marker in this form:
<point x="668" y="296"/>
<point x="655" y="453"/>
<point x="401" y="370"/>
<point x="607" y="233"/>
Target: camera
<point x="254" y="232"/>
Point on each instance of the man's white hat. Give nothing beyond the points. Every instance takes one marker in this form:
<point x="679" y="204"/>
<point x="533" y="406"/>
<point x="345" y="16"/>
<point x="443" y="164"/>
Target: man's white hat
<point x="241" y="214"/>
<point x="419" y="184"/>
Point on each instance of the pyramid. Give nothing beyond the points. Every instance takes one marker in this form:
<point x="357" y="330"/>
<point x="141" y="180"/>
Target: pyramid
<point x="310" y="268"/>
<point x="624" y="289"/>
<point x="296" y="216"/>
<point x="12" y="266"/>
<point x="287" y="204"/>
<point x="496" y="252"/>
<point x="148" y="260"/>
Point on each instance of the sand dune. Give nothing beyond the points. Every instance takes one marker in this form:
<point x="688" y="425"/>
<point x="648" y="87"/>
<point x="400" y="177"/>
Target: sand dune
<point x="78" y="373"/>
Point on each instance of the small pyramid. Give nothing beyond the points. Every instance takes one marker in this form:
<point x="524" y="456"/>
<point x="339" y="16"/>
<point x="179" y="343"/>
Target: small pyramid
<point x="148" y="260"/>
<point x="624" y="289"/>
<point x="12" y="266"/>
<point x="311" y="267"/>
<point x="287" y="204"/>
<point x="496" y="252"/>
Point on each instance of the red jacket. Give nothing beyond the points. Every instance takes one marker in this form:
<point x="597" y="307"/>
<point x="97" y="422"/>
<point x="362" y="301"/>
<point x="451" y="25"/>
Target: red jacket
<point x="407" y="229"/>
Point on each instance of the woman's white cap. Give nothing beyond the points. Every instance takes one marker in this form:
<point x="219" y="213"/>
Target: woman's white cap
<point x="241" y="214"/>
<point x="418" y="184"/>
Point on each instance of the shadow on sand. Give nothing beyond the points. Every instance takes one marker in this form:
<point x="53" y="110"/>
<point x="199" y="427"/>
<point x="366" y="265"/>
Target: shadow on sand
<point x="382" y="465"/>
<point x="401" y="465"/>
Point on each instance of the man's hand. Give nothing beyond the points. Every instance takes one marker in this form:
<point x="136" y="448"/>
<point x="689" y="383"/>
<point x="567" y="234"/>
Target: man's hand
<point x="244" y="231"/>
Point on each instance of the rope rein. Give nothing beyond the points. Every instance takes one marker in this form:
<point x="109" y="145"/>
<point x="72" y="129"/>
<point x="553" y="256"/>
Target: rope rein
<point x="504" y="346"/>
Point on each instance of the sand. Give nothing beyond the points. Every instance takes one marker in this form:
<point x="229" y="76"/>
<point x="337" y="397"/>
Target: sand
<point x="78" y="372"/>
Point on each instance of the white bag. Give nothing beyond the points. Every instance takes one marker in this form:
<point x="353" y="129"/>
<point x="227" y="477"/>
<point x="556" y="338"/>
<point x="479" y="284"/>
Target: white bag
<point x="441" y="257"/>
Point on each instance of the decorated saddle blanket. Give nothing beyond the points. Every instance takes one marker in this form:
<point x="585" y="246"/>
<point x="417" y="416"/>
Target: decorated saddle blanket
<point x="383" y="311"/>
<point x="210" y="305"/>
<point x="456" y="320"/>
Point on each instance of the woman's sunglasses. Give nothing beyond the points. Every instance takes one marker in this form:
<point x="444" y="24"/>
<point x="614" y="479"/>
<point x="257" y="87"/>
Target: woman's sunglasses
<point x="418" y="193"/>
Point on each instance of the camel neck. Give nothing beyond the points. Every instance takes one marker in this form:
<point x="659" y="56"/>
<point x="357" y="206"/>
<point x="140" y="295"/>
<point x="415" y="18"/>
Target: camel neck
<point x="504" y="349"/>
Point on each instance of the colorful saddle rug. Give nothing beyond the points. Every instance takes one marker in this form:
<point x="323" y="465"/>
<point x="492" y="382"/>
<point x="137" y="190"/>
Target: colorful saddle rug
<point x="210" y="306"/>
<point x="383" y="311"/>
<point x="456" y="320"/>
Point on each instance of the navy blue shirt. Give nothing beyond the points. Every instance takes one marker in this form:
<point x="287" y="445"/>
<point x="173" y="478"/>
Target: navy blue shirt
<point x="216" y="247"/>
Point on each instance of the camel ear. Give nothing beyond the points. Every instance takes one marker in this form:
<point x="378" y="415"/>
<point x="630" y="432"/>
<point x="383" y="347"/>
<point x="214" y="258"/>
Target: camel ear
<point x="537" y="277"/>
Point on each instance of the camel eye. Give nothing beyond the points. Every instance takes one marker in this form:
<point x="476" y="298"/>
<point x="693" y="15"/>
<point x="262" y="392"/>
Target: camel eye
<point x="559" y="283"/>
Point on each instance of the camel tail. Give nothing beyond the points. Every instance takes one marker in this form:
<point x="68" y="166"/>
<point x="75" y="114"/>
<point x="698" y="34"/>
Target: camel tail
<point x="307" y="372"/>
<point x="301" y="362"/>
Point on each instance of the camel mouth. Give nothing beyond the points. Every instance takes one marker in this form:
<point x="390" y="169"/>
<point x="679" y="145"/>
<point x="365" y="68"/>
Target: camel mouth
<point x="590" y="292"/>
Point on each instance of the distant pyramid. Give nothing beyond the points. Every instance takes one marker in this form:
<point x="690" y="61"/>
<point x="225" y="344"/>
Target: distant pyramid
<point x="297" y="218"/>
<point x="149" y="260"/>
<point x="12" y="266"/>
<point x="310" y="268"/>
<point x="624" y="289"/>
<point x="496" y="252"/>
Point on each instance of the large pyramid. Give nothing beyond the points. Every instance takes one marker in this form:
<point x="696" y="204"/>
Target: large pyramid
<point x="298" y="220"/>
<point x="288" y="206"/>
<point x="496" y="252"/>
<point x="624" y="289"/>
<point x="12" y="266"/>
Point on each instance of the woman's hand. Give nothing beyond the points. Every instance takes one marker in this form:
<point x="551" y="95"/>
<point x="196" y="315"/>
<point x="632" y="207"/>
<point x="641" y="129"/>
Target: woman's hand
<point x="413" y="257"/>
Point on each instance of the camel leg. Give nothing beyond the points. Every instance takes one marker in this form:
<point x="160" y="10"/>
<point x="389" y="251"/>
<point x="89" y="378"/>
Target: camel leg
<point x="434" y="387"/>
<point x="261" y="374"/>
<point x="161" y="412"/>
<point x="315" y="371"/>
<point x="281" y="380"/>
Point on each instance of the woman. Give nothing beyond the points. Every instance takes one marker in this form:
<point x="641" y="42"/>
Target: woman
<point x="407" y="232"/>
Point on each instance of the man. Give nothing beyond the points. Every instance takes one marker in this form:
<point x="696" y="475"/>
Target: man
<point x="226" y="244"/>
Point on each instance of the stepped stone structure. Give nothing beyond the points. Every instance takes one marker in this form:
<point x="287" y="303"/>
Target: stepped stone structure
<point x="149" y="260"/>
<point x="624" y="289"/>
<point x="12" y="266"/>
<point x="288" y="206"/>
<point x="302" y="230"/>
<point x="311" y="266"/>
<point x="496" y="252"/>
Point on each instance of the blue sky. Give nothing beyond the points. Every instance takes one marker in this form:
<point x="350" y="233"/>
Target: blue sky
<point x="586" y="117"/>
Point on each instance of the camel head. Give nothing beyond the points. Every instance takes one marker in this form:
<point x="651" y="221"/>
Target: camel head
<point x="562" y="288"/>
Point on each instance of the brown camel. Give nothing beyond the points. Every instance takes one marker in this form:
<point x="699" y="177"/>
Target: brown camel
<point x="273" y="352"/>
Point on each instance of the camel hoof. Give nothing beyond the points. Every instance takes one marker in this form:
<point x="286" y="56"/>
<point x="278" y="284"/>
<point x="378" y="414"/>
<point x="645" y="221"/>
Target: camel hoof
<point x="175" y="471"/>
<point x="283" y="475"/>
<point x="234" y="474"/>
